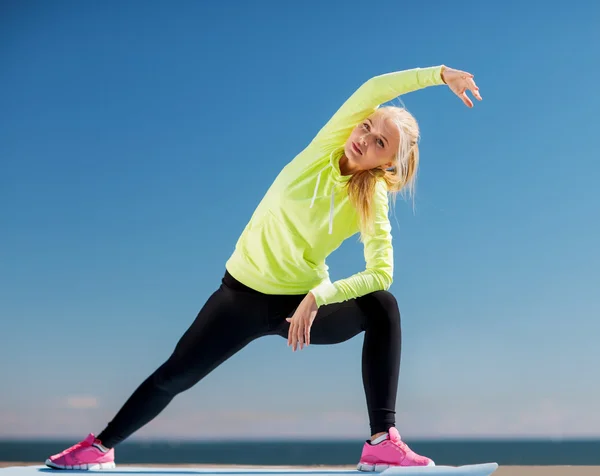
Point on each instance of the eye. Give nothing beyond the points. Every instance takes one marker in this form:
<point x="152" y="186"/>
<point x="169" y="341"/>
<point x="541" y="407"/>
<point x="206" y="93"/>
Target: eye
<point x="380" y="143"/>
<point x="366" y="126"/>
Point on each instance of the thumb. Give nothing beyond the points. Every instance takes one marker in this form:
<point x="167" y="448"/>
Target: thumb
<point x="289" y="319"/>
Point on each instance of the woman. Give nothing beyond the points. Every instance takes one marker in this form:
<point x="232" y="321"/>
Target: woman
<point x="276" y="281"/>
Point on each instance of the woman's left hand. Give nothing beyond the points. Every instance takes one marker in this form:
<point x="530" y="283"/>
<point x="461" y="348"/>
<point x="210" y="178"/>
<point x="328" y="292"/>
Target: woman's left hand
<point x="459" y="82"/>
<point x="301" y="322"/>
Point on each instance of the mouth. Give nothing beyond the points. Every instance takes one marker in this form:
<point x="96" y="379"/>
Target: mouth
<point x="356" y="149"/>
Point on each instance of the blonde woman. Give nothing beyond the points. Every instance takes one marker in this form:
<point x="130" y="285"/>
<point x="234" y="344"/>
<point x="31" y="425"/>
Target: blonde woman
<point x="276" y="281"/>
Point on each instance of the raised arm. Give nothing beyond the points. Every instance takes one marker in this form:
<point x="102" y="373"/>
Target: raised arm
<point x="371" y="94"/>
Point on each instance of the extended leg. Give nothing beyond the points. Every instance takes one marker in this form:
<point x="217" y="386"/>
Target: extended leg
<point x="228" y="321"/>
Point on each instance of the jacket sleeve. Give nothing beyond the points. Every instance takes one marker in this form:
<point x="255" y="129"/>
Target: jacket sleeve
<point x="370" y="95"/>
<point x="379" y="259"/>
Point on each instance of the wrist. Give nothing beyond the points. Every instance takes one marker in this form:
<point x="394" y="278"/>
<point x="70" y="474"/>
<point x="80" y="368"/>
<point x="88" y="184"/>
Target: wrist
<point x="312" y="301"/>
<point x="443" y="73"/>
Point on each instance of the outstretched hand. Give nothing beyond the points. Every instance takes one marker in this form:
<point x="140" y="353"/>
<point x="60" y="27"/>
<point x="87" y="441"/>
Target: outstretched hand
<point x="459" y="82"/>
<point x="301" y="322"/>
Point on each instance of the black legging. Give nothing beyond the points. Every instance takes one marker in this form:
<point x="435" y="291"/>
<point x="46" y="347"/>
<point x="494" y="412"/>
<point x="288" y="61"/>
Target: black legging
<point x="235" y="315"/>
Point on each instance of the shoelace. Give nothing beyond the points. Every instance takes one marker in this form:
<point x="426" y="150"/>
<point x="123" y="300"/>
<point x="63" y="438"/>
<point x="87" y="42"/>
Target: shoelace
<point x="72" y="448"/>
<point x="401" y="445"/>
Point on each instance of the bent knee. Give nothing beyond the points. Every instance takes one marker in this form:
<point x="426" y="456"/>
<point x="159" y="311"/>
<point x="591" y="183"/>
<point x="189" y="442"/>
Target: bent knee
<point x="382" y="305"/>
<point x="386" y="300"/>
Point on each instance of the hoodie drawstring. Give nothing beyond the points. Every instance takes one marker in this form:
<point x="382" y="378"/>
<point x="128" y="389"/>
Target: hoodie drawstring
<point x="312" y="202"/>
<point x="332" y="203"/>
<point x="331" y="211"/>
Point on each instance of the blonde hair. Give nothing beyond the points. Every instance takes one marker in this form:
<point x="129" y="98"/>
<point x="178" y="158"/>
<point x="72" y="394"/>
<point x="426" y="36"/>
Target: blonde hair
<point x="400" y="178"/>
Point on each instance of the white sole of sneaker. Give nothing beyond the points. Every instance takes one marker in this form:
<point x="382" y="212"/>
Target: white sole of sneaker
<point x="378" y="468"/>
<point x="82" y="467"/>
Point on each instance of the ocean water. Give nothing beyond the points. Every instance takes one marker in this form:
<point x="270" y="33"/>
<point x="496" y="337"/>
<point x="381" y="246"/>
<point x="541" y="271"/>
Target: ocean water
<point x="267" y="453"/>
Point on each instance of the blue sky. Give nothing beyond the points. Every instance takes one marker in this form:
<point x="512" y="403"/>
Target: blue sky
<point x="136" y="138"/>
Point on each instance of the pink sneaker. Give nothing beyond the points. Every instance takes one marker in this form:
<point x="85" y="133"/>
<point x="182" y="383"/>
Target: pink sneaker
<point x="83" y="455"/>
<point x="390" y="452"/>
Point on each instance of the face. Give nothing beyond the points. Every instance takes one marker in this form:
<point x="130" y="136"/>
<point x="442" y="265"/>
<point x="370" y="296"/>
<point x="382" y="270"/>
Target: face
<point x="373" y="143"/>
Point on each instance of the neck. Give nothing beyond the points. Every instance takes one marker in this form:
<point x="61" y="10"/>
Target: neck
<point x="345" y="167"/>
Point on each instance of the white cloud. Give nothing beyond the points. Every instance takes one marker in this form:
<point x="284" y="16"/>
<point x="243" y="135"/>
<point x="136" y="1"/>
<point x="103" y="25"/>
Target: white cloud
<point x="82" y="402"/>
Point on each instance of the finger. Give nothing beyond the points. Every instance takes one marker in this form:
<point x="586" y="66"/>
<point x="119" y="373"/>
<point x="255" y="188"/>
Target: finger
<point x="307" y="335"/>
<point x="474" y="89"/>
<point x="466" y="99"/>
<point x="293" y="335"/>
<point x="290" y="333"/>
<point x="300" y="335"/>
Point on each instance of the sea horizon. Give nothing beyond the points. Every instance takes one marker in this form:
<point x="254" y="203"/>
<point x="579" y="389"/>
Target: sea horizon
<point x="302" y="438"/>
<point x="328" y="452"/>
